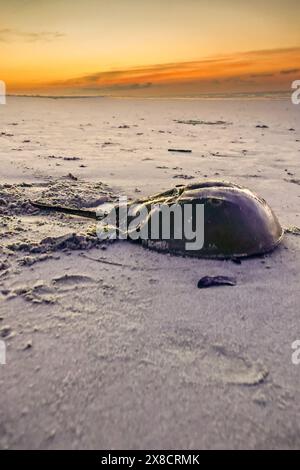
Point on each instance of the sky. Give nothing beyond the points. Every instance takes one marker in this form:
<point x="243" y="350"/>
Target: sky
<point x="149" y="48"/>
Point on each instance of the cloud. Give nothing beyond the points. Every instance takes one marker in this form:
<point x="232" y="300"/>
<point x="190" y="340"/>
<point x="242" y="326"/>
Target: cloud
<point x="246" y="68"/>
<point x="289" y="71"/>
<point x="158" y="73"/>
<point x="252" y="71"/>
<point x="130" y="86"/>
<point x="12" y="35"/>
<point x="262" y="75"/>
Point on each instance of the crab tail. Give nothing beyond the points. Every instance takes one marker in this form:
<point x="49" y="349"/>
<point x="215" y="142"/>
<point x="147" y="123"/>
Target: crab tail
<point x="65" y="210"/>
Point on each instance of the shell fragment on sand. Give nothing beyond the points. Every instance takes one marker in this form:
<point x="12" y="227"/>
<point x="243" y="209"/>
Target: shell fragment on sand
<point x="215" y="281"/>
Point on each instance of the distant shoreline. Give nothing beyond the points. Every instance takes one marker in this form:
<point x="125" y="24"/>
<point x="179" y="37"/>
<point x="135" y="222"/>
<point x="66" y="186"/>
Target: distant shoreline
<point x="54" y="97"/>
<point x="278" y="95"/>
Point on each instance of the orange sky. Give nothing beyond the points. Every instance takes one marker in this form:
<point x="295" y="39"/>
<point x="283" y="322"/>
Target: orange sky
<point x="149" y="48"/>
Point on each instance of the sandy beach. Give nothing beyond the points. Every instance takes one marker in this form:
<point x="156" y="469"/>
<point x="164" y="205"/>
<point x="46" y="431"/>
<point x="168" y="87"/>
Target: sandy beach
<point x="110" y="345"/>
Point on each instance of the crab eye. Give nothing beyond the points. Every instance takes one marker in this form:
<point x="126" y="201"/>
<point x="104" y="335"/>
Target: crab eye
<point x="215" y="202"/>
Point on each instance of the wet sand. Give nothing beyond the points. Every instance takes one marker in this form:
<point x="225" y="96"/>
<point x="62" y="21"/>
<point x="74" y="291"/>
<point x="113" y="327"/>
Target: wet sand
<point x="112" y="345"/>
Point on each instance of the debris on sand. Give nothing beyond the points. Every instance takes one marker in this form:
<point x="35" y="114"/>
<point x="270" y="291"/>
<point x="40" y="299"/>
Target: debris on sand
<point x="5" y="331"/>
<point x="72" y="177"/>
<point x="292" y="230"/>
<point x="180" y="150"/>
<point x="214" y="281"/>
<point x="184" y="177"/>
<point x="197" y="122"/>
<point x="68" y="159"/>
<point x="262" y="126"/>
<point x="226" y="155"/>
<point x="71" y="159"/>
<point x="6" y="134"/>
<point x="27" y="345"/>
<point x="293" y="180"/>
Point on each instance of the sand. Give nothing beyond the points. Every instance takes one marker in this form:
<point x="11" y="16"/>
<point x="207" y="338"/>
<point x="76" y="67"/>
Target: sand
<point x="110" y="345"/>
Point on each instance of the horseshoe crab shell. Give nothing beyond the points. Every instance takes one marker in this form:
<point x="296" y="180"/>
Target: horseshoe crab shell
<point x="237" y="223"/>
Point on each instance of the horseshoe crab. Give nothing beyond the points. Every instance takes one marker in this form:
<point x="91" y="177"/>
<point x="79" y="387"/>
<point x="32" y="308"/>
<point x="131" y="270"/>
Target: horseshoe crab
<point x="237" y="223"/>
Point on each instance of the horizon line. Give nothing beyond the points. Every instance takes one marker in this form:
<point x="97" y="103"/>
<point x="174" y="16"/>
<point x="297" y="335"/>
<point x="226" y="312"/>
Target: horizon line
<point x="179" y="96"/>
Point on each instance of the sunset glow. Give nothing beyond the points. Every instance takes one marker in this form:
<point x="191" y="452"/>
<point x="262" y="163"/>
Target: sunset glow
<point x="157" y="48"/>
